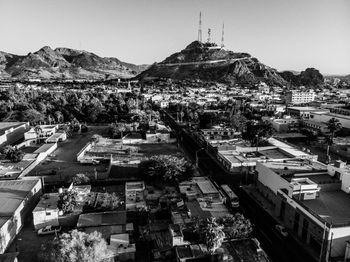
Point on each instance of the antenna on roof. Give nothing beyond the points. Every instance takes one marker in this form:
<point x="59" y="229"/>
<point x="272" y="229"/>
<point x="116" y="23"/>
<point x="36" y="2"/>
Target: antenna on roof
<point x="209" y="31"/>
<point x="222" y="36"/>
<point x="200" y="28"/>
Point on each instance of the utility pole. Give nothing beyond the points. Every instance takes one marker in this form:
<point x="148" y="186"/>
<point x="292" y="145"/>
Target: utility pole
<point x="200" y="28"/>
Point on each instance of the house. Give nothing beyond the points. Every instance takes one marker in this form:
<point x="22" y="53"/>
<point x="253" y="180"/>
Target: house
<point x="17" y="199"/>
<point x="46" y="212"/>
<point x="121" y="248"/>
<point x="134" y="196"/>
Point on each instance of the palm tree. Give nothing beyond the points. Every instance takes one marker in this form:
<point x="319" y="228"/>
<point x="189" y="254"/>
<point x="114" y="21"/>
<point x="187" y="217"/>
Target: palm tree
<point x="333" y="125"/>
<point x="38" y="131"/>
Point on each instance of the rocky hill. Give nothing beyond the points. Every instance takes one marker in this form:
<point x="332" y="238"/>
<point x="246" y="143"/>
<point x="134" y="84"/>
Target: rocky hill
<point x="211" y="63"/>
<point x="64" y="63"/>
<point x="309" y="77"/>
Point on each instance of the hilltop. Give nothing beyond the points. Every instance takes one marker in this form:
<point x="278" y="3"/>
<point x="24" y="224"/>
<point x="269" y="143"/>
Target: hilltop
<point x="64" y="63"/>
<point x="209" y="62"/>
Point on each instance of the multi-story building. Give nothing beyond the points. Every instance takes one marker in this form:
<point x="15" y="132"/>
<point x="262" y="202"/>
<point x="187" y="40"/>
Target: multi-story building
<point x="312" y="201"/>
<point x="300" y="97"/>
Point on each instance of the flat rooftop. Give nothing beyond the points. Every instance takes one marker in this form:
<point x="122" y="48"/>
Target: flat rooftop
<point x="274" y="154"/>
<point x="244" y="250"/>
<point x="297" y="165"/>
<point x="13" y="193"/>
<point x="288" y="148"/>
<point x="333" y="206"/>
<point x="207" y="187"/>
<point x="7" y="125"/>
<point x="102" y="219"/>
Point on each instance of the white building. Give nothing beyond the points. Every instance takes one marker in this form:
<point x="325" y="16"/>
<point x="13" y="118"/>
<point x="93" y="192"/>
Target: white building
<point x="17" y="198"/>
<point x="11" y="132"/>
<point x="311" y="200"/>
<point x="46" y="211"/>
<point x="41" y="132"/>
<point x="300" y="97"/>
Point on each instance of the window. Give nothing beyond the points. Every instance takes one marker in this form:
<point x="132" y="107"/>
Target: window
<point x="48" y="213"/>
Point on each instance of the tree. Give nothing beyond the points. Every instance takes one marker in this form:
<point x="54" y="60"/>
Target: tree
<point x="239" y="122"/>
<point x="333" y="125"/>
<point x="38" y="130"/>
<point x="32" y="116"/>
<point x="67" y="201"/>
<point x="13" y="154"/>
<point x="255" y="131"/>
<point x="236" y="226"/>
<point x="76" y="246"/>
<point x="211" y="233"/>
<point x="167" y="167"/>
<point x="80" y="179"/>
<point x="59" y="116"/>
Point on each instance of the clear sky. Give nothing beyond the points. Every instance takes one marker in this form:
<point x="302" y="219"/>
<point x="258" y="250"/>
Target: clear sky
<point x="284" y="34"/>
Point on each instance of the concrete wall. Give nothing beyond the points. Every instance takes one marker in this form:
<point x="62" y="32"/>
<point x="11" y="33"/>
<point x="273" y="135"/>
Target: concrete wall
<point x="270" y="179"/>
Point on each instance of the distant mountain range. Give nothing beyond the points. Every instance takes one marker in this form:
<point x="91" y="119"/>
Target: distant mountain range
<point x="209" y="62"/>
<point x="64" y="63"/>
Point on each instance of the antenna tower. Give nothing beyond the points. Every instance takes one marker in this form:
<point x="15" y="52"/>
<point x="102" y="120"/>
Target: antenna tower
<point x="200" y="28"/>
<point x="209" y="31"/>
<point x="222" y="35"/>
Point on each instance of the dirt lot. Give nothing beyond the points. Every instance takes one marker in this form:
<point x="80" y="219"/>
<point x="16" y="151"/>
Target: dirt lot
<point x="64" y="161"/>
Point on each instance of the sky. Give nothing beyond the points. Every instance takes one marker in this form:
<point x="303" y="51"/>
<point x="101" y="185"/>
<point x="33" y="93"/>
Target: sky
<point x="283" y="34"/>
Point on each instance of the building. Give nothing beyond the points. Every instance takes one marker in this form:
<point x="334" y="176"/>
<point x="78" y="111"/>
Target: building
<point x="312" y="201"/>
<point x="247" y="250"/>
<point x="17" y="199"/>
<point x="203" y="198"/>
<point x="300" y="97"/>
<point x="286" y="124"/>
<point x="304" y="111"/>
<point x="46" y="212"/>
<point x="41" y="132"/>
<point x="134" y="196"/>
<point x="315" y="127"/>
<point x="11" y="132"/>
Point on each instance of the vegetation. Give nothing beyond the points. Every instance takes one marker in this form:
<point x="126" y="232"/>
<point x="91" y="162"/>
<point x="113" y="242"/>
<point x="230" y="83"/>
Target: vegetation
<point x="91" y="106"/>
<point x="13" y="154"/>
<point x="256" y="131"/>
<point x="239" y="122"/>
<point x="333" y="125"/>
<point x="167" y="168"/>
<point x="67" y="201"/>
<point x="80" y="179"/>
<point x="211" y="233"/>
<point x="76" y="246"/>
<point x="236" y="226"/>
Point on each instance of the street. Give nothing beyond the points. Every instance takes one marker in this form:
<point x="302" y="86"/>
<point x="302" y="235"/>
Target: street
<point x="277" y="247"/>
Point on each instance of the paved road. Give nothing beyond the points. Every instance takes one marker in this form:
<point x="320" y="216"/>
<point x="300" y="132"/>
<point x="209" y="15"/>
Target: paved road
<point x="278" y="248"/>
<point x="206" y="62"/>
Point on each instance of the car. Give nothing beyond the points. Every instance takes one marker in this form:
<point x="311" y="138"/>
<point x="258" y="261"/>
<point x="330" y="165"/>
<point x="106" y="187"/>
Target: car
<point x="282" y="230"/>
<point x="49" y="230"/>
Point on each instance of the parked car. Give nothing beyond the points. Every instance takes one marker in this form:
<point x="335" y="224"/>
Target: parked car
<point x="282" y="230"/>
<point x="49" y="230"/>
